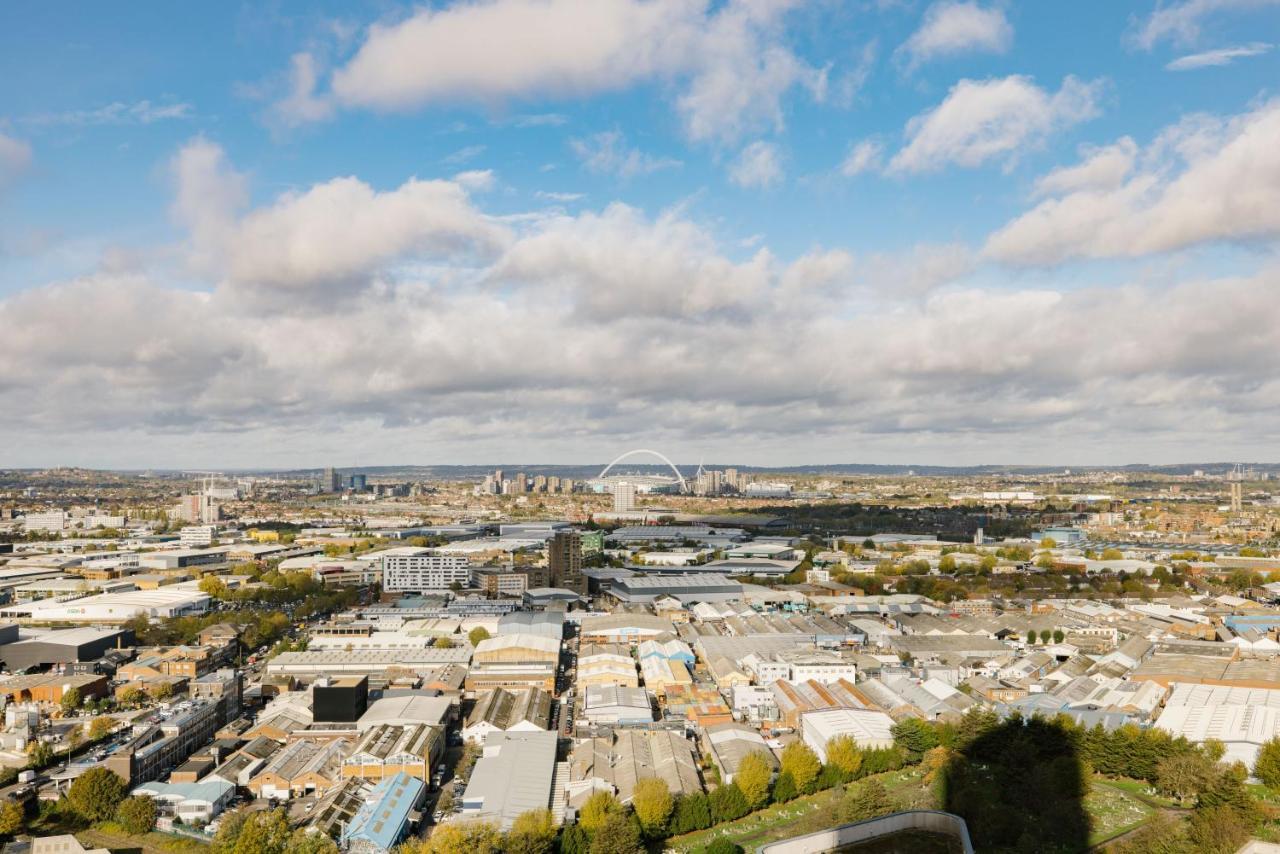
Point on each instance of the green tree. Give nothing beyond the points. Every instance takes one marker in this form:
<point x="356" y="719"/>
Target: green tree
<point x="1267" y="766"/>
<point x="721" y="846"/>
<point x="914" y="737"/>
<point x="728" y="803"/>
<point x="1045" y="635"/>
<point x="574" y="840"/>
<point x="137" y="815"/>
<point x="71" y="700"/>
<point x="164" y="691"/>
<point x="533" y="832"/>
<point x="784" y="789"/>
<point x="96" y="793"/>
<point x="442" y="643"/>
<point x="652" y="802"/>
<point x="1031" y="636"/>
<point x="12" y="818"/>
<point x="598" y="807"/>
<point x="799" y="760"/>
<point x="1183" y="776"/>
<point x="619" y="833"/>
<point x="1059" y="636"/>
<point x="868" y="799"/>
<point x="692" y="813"/>
<point x="843" y="754"/>
<point x="755" y="772"/>
<point x="479" y="633"/>
<point x="1112" y="554"/>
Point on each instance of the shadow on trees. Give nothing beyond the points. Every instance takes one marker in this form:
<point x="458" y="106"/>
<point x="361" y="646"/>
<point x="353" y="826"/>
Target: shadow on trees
<point x="1020" y="786"/>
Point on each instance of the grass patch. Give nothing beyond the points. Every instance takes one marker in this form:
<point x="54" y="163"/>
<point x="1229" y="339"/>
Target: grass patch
<point x="111" y="835"/>
<point x="805" y="815"/>
<point x="1113" y="811"/>
<point x="1140" y="789"/>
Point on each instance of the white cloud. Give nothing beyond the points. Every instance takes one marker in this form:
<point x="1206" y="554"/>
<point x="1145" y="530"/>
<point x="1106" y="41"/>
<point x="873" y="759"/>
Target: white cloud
<point x="551" y="196"/>
<point x="982" y="120"/>
<point x="115" y="113"/>
<point x="758" y="165"/>
<point x="1101" y="169"/>
<point x="476" y="180"/>
<point x="607" y="153"/>
<point x="331" y="238"/>
<point x="730" y="63"/>
<point x="302" y="105"/>
<point x="1219" y="57"/>
<point x="462" y="155"/>
<point x="865" y="156"/>
<point x="1181" y="22"/>
<point x="950" y="28"/>
<point x="1204" y="179"/>
<point x="15" y="158"/>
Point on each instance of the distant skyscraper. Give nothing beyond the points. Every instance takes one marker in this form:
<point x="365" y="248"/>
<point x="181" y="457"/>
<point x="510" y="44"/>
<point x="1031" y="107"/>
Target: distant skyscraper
<point x="624" y="497"/>
<point x="564" y="559"/>
<point x="330" y="481"/>
<point x="359" y="482"/>
<point x="522" y="483"/>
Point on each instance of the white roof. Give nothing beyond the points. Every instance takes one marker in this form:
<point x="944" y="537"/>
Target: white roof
<point x="542" y="643"/>
<point x="400" y="711"/>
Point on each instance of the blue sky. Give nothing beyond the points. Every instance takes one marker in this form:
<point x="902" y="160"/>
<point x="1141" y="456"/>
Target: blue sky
<point x="765" y="230"/>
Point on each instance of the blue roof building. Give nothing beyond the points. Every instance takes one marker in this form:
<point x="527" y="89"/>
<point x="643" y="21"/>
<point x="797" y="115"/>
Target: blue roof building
<point x="386" y="816"/>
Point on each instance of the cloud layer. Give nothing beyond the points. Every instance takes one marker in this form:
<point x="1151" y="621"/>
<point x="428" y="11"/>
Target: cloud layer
<point x="1206" y="179"/>
<point x="413" y="309"/>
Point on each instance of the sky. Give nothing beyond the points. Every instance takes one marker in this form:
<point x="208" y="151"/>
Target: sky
<point x="769" y="232"/>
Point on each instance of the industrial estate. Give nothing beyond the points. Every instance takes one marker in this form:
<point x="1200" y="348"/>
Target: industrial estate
<point x="643" y="657"/>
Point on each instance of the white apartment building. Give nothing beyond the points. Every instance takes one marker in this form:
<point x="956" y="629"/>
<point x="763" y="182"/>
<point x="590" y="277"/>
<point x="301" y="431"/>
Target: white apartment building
<point x="416" y="573"/>
<point x="193" y="536"/>
<point x="54" y="520"/>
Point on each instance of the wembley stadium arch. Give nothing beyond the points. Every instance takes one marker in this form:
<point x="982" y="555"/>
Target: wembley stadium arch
<point x="684" y="486"/>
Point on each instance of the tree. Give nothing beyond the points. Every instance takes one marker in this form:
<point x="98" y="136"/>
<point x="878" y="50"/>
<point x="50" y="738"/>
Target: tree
<point x="164" y="691"/>
<point x="914" y="736"/>
<point x="71" y="700"/>
<point x="12" y="818"/>
<point x="722" y="846"/>
<point x="1059" y="636"/>
<point x="137" y="814"/>
<point x="652" y="801"/>
<point x="1112" y="554"/>
<point x="574" y="840"/>
<point x="868" y="799"/>
<point x="1219" y="829"/>
<point x="1183" y="776"/>
<point x="101" y="727"/>
<point x="692" y="813"/>
<point x="442" y="643"/>
<point x="1031" y="636"/>
<point x="472" y="837"/>
<point x="728" y="803"/>
<point x="305" y="842"/>
<point x="40" y="754"/>
<point x="784" y="789"/>
<point x="755" y="772"/>
<point x="799" y="760"/>
<point x="1267" y="766"/>
<point x="132" y="696"/>
<point x="479" y="633"/>
<point x="263" y="833"/>
<point x="598" y="807"/>
<point x="96" y="793"/>
<point x="619" y="833"/>
<point x="844" y="755"/>
<point x="1045" y="635"/>
<point x="533" y="832"/>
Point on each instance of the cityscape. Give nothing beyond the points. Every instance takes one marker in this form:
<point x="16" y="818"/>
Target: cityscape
<point x="640" y="427"/>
